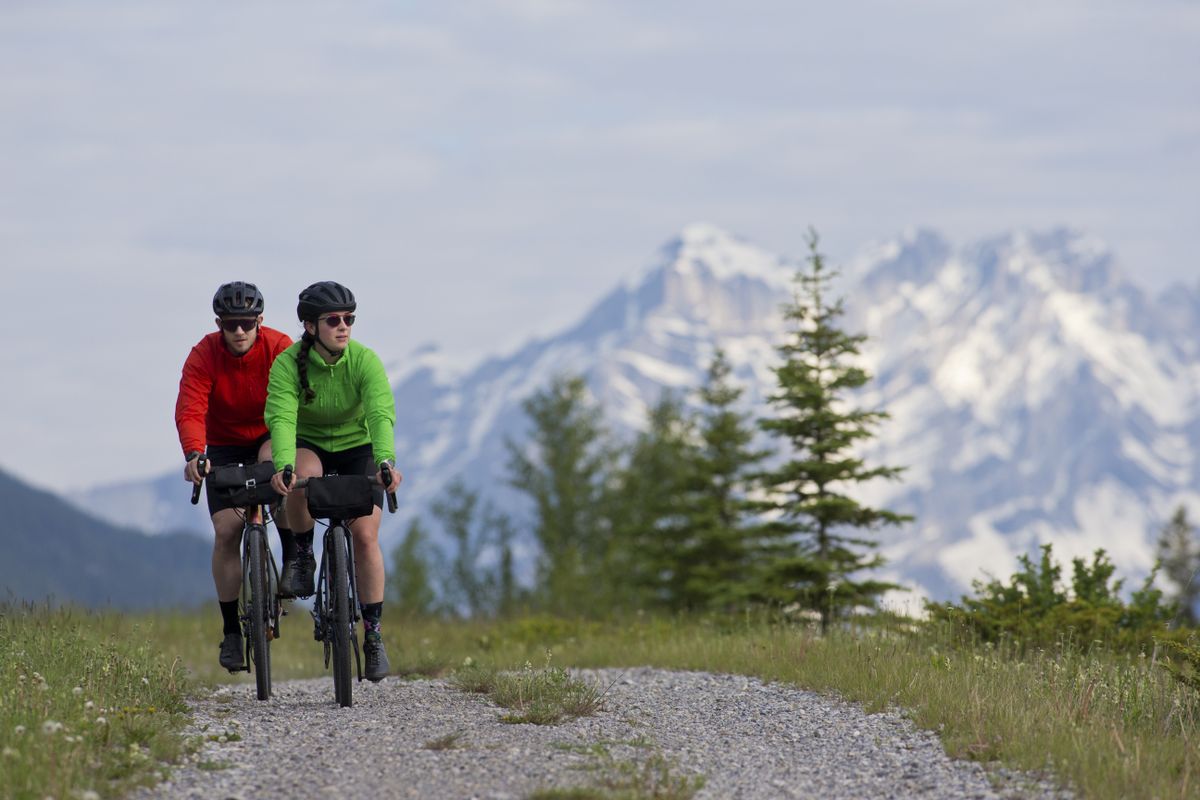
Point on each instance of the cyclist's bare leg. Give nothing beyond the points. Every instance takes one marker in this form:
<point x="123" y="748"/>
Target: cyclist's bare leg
<point x="368" y="558"/>
<point x="308" y="465"/>
<point x="368" y="569"/>
<point x="227" y="554"/>
<point x="279" y="510"/>
<point x="297" y="574"/>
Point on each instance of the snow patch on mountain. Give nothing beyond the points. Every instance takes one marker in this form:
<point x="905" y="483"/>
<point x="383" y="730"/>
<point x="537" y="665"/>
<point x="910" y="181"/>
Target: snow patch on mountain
<point x="704" y="251"/>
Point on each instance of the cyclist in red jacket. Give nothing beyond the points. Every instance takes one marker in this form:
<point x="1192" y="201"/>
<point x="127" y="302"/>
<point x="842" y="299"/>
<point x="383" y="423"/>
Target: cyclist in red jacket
<point x="220" y="410"/>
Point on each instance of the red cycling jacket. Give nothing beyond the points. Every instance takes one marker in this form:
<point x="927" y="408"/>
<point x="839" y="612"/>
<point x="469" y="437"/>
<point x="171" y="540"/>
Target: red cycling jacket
<point x="221" y="396"/>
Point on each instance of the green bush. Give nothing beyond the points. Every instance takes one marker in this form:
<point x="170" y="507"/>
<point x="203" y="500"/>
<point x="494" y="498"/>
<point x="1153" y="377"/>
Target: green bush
<point x="1037" y="609"/>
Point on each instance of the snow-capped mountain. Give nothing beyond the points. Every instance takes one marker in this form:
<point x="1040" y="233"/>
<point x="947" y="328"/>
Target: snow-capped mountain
<point x="1035" y="394"/>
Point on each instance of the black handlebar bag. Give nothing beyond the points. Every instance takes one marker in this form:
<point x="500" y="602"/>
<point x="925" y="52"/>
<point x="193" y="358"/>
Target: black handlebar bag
<point x="341" y="497"/>
<point x="245" y="485"/>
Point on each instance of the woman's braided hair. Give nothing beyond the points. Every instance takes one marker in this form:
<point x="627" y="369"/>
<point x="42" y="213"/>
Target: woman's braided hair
<point x="306" y="342"/>
<point x="319" y="298"/>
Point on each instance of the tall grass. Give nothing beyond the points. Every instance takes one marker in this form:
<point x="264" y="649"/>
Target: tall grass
<point x="88" y="704"/>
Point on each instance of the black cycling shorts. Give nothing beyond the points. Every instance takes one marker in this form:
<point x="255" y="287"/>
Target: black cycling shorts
<point x="221" y="455"/>
<point x="355" y="461"/>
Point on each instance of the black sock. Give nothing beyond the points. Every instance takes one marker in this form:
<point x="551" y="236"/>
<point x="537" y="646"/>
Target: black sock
<point x="304" y="542"/>
<point x="371" y="614"/>
<point x="229" y="615"/>
<point x="287" y="542"/>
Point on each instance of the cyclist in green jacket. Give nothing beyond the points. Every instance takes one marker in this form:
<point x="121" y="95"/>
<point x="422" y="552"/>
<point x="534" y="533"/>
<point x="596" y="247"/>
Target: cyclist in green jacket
<point x="330" y="409"/>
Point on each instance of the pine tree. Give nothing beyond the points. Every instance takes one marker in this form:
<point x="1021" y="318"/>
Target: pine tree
<point x="715" y="564"/>
<point x="408" y="582"/>
<point x="563" y="470"/>
<point x="1179" y="555"/>
<point x="821" y="532"/>
<point x="473" y="585"/>
<point x="649" y="512"/>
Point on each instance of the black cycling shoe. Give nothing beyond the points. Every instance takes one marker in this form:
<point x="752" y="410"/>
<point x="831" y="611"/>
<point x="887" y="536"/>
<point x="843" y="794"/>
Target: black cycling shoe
<point x="378" y="667"/>
<point x="296" y="579"/>
<point x="231" y="652"/>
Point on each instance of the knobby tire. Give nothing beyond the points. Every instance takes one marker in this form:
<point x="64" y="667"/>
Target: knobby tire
<point x="260" y="612"/>
<point x="339" y="591"/>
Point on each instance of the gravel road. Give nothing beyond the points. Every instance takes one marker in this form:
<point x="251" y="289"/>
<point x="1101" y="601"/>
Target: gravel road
<point x="745" y="739"/>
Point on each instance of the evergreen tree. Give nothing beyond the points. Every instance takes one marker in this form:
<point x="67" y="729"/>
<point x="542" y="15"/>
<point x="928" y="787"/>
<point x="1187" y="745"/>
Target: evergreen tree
<point x="1180" y="558"/>
<point x="563" y="470"/>
<point x="509" y="595"/>
<point x="409" y="589"/>
<point x="649" y="511"/>
<point x="820" y="532"/>
<point x="472" y="584"/>
<point x="715" y="564"/>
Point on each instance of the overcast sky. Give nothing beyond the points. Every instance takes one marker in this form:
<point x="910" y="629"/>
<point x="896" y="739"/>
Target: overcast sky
<point x="482" y="172"/>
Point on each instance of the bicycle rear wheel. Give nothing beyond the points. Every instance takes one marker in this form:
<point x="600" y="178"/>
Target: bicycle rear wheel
<point x="260" y="611"/>
<point x="339" y="591"/>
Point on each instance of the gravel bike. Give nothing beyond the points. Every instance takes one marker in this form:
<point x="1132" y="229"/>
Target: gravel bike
<point x="340" y="499"/>
<point x="259" y="606"/>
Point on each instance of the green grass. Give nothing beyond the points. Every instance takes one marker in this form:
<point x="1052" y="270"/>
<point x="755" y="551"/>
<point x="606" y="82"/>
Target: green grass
<point x="653" y="777"/>
<point x="88" y="706"/>
<point x="449" y="741"/>
<point x="542" y="696"/>
<point x="1109" y="725"/>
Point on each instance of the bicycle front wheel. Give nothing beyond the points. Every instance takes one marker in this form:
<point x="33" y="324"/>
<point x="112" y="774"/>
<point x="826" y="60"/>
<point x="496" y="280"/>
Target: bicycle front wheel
<point x="260" y="611"/>
<point x="339" y="591"/>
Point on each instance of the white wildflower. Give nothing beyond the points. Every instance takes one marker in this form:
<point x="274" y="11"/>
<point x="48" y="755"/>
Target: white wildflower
<point x="78" y="690"/>
<point x="10" y="753"/>
<point x="50" y="727"/>
<point x="89" y="795"/>
<point x="146" y="681"/>
<point x="101" y="721"/>
<point x="19" y="730"/>
<point x="89" y="705"/>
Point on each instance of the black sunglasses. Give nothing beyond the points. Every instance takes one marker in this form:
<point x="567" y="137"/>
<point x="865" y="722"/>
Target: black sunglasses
<point x="232" y="325"/>
<point x="333" y="320"/>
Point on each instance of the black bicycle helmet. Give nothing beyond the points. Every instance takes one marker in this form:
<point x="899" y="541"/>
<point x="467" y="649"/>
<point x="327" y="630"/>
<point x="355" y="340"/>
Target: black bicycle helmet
<point x="238" y="299"/>
<point x="323" y="297"/>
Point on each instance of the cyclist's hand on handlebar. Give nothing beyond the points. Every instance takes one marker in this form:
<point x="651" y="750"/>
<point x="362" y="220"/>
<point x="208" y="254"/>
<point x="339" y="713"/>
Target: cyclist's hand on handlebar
<point x="278" y="484"/>
<point x="396" y="478"/>
<point x="191" y="471"/>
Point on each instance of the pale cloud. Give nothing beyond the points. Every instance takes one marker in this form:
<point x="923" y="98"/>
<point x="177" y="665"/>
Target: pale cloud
<point x="485" y="171"/>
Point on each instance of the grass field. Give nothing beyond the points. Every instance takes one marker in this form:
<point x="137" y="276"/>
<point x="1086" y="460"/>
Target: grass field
<point x="1111" y="726"/>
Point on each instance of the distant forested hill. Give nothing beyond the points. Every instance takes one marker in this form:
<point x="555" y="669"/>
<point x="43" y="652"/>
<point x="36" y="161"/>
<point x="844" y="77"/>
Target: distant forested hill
<point x="49" y="549"/>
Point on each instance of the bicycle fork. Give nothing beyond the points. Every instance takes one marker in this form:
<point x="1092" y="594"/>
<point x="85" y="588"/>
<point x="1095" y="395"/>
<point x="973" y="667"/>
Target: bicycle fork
<point x="257" y="529"/>
<point x="322" y="602"/>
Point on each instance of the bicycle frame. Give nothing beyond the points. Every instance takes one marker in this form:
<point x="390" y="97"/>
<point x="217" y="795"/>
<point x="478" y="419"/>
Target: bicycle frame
<point x="255" y="523"/>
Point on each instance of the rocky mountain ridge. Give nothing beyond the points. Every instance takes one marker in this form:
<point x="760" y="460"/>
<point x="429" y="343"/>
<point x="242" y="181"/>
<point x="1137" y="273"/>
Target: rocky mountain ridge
<point x="1035" y="393"/>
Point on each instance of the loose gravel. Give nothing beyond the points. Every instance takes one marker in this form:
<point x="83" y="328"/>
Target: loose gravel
<point x="745" y="738"/>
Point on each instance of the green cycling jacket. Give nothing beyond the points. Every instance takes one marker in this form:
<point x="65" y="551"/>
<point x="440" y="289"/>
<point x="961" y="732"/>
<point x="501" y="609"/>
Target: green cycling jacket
<point x="354" y="404"/>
